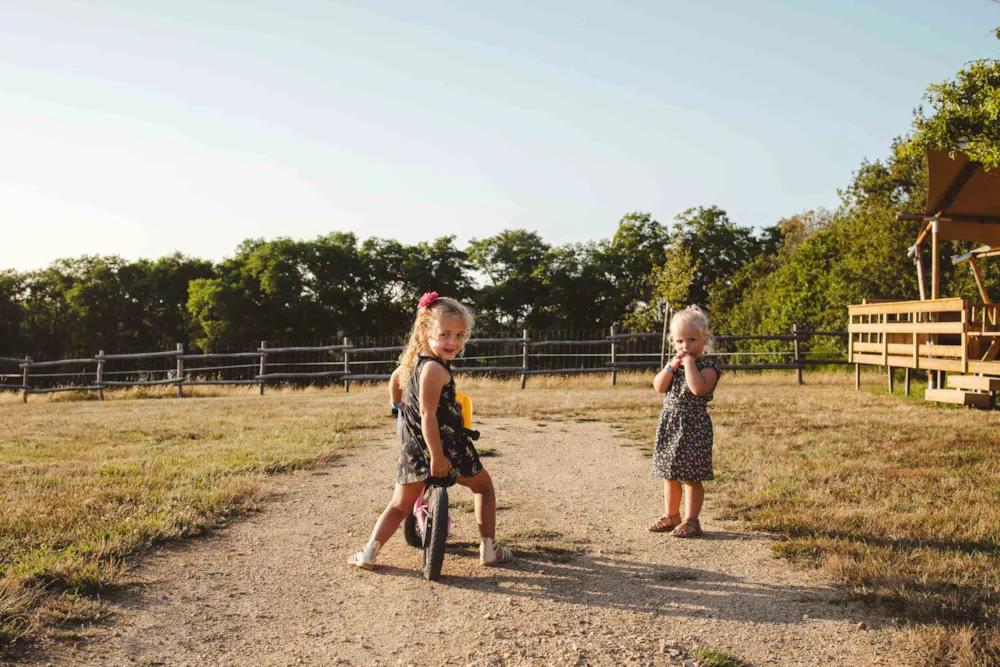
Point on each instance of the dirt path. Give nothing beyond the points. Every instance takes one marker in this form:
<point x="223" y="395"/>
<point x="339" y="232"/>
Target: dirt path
<point x="591" y="585"/>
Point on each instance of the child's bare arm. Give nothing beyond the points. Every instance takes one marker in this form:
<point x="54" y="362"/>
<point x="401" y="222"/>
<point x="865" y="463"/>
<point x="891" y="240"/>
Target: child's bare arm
<point x="699" y="382"/>
<point x="663" y="379"/>
<point x="395" y="390"/>
<point x="433" y="378"/>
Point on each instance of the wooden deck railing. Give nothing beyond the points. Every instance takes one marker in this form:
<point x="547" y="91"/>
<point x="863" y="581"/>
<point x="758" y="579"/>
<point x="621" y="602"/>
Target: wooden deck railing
<point x="954" y="335"/>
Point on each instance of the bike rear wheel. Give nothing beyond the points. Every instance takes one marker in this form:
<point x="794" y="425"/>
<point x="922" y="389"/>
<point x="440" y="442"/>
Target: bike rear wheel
<point x="436" y="533"/>
<point x="410" y="532"/>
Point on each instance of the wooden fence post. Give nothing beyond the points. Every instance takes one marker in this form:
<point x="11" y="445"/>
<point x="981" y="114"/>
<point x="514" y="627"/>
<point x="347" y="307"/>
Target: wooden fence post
<point x="24" y="378"/>
<point x="100" y="375"/>
<point x="906" y="391"/>
<point x="524" y="359"/>
<point x="263" y="365"/>
<point x="857" y="377"/>
<point x="798" y="359"/>
<point x="667" y="309"/>
<point x="180" y="371"/>
<point x="347" y="365"/>
<point x="890" y="369"/>
<point x="614" y="371"/>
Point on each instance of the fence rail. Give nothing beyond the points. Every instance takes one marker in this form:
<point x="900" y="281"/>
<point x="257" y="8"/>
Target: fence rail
<point x="539" y="354"/>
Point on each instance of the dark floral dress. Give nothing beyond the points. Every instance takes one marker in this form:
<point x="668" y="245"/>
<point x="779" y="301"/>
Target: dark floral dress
<point x="456" y="440"/>
<point x="683" y="448"/>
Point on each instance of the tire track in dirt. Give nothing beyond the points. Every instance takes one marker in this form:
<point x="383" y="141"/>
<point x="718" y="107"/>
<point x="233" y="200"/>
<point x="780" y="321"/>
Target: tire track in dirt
<point x="590" y="586"/>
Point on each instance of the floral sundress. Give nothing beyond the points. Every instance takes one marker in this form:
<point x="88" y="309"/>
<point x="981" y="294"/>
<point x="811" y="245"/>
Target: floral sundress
<point x="683" y="449"/>
<point x="456" y="440"/>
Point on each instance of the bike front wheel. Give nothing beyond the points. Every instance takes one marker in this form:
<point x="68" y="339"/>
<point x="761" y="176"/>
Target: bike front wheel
<point x="436" y="533"/>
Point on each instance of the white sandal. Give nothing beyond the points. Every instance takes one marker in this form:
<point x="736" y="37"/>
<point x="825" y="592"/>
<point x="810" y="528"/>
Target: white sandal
<point x="365" y="559"/>
<point x="491" y="553"/>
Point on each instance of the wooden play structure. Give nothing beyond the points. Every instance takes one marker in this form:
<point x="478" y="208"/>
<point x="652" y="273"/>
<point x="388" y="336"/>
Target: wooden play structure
<point x="941" y="335"/>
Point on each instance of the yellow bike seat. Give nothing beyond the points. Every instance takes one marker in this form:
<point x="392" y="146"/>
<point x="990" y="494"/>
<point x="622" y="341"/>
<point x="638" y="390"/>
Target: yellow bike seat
<point x="466" y="403"/>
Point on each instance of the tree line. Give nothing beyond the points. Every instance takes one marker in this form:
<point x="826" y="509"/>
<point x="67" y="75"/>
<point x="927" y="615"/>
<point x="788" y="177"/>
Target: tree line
<point x="337" y="285"/>
<point x="803" y="270"/>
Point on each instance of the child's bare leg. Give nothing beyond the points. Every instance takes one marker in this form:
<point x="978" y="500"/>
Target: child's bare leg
<point x="486" y="502"/>
<point x="694" y="498"/>
<point x="490" y="553"/>
<point x="672" y="496"/>
<point x="672" y="504"/>
<point x="403" y="497"/>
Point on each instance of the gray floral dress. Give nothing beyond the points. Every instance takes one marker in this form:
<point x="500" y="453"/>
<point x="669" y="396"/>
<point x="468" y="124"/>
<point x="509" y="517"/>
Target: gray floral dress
<point x="683" y="448"/>
<point x="456" y="440"/>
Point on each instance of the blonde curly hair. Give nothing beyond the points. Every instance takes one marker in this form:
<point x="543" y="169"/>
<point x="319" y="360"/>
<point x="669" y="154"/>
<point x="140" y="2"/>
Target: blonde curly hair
<point x="693" y="316"/>
<point x="426" y="316"/>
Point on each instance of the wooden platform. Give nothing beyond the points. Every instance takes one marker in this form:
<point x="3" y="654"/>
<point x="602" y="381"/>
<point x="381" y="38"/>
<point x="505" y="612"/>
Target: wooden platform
<point x="973" y="382"/>
<point x="959" y="397"/>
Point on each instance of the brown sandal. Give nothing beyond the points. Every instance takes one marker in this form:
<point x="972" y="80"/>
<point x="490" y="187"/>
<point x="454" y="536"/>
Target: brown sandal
<point x="664" y="524"/>
<point x="688" y="528"/>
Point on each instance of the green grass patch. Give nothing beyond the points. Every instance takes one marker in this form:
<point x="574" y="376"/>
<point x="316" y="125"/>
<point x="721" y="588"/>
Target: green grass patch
<point x="713" y="657"/>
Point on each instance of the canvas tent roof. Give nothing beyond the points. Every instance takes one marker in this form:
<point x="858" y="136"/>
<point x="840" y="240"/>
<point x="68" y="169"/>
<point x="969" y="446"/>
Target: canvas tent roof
<point x="965" y="197"/>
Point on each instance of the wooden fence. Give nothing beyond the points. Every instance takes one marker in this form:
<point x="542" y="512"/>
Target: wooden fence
<point x="531" y="353"/>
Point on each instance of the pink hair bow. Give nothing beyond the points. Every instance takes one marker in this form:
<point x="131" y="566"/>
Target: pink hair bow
<point x="427" y="299"/>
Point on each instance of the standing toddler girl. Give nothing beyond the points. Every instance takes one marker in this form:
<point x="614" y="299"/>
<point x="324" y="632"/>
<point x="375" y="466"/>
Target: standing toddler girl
<point x="683" y="451"/>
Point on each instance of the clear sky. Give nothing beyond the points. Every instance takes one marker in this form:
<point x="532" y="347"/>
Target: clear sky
<point x="142" y="127"/>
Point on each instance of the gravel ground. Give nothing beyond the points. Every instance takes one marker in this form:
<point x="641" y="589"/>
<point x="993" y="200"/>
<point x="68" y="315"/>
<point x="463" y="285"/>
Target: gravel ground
<point x="590" y="584"/>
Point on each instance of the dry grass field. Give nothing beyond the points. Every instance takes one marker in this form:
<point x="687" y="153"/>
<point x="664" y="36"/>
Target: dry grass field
<point x="897" y="500"/>
<point x="86" y="486"/>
